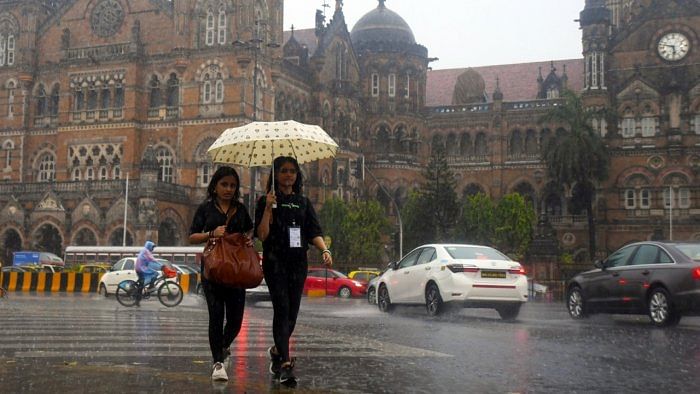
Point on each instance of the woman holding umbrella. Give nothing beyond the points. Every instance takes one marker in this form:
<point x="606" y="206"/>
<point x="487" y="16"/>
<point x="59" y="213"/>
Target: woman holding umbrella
<point x="286" y="223"/>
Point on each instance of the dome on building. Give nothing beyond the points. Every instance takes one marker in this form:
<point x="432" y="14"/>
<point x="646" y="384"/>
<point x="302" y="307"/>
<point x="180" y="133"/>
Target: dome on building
<point x="382" y="24"/>
<point x="470" y="88"/>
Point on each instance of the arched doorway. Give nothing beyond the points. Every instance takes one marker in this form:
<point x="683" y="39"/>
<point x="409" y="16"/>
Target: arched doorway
<point x="11" y="242"/>
<point x="115" y="239"/>
<point x="168" y="234"/>
<point x="85" y="237"/>
<point x="48" y="239"/>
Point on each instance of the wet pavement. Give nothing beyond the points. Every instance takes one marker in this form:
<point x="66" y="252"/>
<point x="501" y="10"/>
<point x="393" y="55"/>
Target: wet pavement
<point x="84" y="343"/>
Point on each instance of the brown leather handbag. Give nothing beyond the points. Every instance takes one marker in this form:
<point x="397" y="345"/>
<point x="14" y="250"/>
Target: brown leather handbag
<point x="228" y="261"/>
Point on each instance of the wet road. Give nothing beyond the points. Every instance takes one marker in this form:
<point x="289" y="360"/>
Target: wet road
<point x="85" y="343"/>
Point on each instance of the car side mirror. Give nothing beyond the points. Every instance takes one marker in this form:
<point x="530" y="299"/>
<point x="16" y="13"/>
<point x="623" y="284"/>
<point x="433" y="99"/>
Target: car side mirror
<point x="394" y="266"/>
<point x="599" y="264"/>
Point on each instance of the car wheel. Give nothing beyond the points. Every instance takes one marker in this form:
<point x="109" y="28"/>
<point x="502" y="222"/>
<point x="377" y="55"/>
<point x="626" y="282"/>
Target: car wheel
<point x="575" y="303"/>
<point x="383" y="300"/>
<point x="433" y="300"/>
<point x="509" y="312"/>
<point x="344" y="292"/>
<point x="103" y="290"/>
<point x="372" y="295"/>
<point x="661" y="310"/>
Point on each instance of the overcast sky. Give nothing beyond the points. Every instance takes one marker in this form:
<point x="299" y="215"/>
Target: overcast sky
<point x="469" y="33"/>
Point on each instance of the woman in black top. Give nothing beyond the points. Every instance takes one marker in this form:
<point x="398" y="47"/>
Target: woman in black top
<point x="210" y="222"/>
<point x="286" y="232"/>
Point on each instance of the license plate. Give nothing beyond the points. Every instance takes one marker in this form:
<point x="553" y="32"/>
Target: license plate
<point x="493" y="274"/>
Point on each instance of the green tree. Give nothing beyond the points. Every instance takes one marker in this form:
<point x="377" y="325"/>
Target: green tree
<point x="514" y="224"/>
<point x="415" y="214"/>
<point x="476" y="224"/>
<point x="364" y="226"/>
<point x="439" y="197"/>
<point x="332" y="216"/>
<point x="577" y="159"/>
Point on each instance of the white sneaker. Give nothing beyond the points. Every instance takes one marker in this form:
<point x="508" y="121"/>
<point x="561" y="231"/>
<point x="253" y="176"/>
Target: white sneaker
<point x="219" y="372"/>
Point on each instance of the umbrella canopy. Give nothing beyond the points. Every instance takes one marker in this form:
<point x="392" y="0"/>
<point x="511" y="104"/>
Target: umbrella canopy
<point x="258" y="143"/>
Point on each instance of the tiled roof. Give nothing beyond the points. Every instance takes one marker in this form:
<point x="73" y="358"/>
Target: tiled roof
<point x="305" y="37"/>
<point x="518" y="81"/>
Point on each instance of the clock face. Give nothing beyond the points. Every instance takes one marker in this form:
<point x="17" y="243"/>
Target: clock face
<point x="674" y="46"/>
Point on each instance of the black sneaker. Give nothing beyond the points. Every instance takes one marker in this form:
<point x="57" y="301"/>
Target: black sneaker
<point x="275" y="362"/>
<point x="287" y="377"/>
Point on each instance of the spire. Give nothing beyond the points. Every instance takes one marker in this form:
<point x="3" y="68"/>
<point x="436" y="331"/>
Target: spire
<point x="381" y="4"/>
<point x="292" y="34"/>
<point x="497" y="94"/>
<point x="540" y="79"/>
<point x="338" y="5"/>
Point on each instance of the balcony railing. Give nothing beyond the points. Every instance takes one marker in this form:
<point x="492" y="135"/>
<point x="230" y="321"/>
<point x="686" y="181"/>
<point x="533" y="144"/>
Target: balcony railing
<point x="532" y="104"/>
<point x="101" y="115"/>
<point x="100" y="51"/>
<point x="163" y="112"/>
<point x="461" y="108"/>
<point x="467" y="159"/>
<point x="568" y="219"/>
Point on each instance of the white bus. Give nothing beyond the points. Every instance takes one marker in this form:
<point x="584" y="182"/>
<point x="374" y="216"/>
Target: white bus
<point x="188" y="255"/>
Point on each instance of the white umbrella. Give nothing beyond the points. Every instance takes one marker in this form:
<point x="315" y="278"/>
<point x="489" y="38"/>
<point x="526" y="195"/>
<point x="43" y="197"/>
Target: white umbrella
<point x="258" y="143"/>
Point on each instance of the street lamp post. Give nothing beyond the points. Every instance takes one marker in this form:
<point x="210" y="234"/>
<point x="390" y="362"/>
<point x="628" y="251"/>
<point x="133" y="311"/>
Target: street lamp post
<point x="254" y="45"/>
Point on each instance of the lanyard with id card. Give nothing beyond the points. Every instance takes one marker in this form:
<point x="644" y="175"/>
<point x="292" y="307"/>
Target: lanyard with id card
<point x="295" y="237"/>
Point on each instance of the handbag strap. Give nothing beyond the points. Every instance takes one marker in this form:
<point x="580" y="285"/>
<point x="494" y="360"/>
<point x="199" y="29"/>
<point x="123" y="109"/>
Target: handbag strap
<point x="229" y="217"/>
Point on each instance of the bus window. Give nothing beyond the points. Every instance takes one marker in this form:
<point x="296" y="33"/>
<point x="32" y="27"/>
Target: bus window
<point x="178" y="259"/>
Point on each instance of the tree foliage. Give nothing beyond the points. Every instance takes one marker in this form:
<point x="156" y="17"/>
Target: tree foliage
<point x="438" y="194"/>
<point x="364" y="226"/>
<point x="415" y="215"/>
<point x="476" y="224"/>
<point x="578" y="158"/>
<point x="356" y="231"/>
<point x="514" y="224"/>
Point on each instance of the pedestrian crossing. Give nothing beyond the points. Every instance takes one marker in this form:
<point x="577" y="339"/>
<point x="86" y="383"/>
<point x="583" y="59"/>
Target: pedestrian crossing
<point x="131" y="333"/>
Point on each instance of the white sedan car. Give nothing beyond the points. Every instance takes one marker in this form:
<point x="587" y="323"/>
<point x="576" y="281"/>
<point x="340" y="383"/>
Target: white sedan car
<point x="468" y="275"/>
<point x="122" y="270"/>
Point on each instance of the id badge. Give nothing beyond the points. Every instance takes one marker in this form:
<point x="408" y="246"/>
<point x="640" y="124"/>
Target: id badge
<point x="295" y="237"/>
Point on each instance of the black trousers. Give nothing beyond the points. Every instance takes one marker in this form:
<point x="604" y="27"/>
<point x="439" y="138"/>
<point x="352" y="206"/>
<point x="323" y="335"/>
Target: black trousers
<point x="285" y="281"/>
<point x="224" y="303"/>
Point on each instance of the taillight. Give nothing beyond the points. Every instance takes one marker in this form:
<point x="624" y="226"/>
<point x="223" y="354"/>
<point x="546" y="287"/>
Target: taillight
<point x="517" y="271"/>
<point x="696" y="273"/>
<point x="462" y="268"/>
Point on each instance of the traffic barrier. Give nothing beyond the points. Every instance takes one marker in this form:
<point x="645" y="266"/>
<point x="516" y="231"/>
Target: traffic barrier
<point x="70" y="282"/>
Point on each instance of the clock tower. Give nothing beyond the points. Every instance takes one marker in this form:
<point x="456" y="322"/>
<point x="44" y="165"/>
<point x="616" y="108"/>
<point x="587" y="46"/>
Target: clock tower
<point x="642" y="65"/>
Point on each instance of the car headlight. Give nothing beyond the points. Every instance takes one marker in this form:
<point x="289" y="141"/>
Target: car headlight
<point x="358" y="284"/>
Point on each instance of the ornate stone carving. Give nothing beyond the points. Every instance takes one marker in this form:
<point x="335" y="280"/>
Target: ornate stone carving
<point x="107" y="18"/>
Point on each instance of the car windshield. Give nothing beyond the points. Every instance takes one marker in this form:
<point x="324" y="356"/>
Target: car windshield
<point x="690" y="250"/>
<point x="475" y="253"/>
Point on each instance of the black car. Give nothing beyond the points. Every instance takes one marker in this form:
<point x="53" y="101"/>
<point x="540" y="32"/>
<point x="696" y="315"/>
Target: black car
<point x="660" y="279"/>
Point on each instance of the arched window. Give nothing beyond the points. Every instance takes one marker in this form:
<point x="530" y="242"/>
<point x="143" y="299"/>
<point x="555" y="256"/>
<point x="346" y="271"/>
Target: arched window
<point x="41" y="103"/>
<point x="628" y="124"/>
<point x="222" y="26"/>
<point x="375" y="85"/>
<point x="155" y="98"/>
<point x="7" y="49"/>
<point x="219" y="97"/>
<point x="116" y="172"/>
<point x="103" y="173"/>
<point x="392" y="85"/>
<point x="92" y="98"/>
<point x="480" y="146"/>
<point x="465" y="145"/>
<point x="204" y="174"/>
<point x="382" y="139"/>
<point x="76" y="174"/>
<point x="173" y="98"/>
<point x="530" y="143"/>
<point x="516" y="143"/>
<point x="210" y="28"/>
<point x="206" y="89"/>
<point x="55" y="97"/>
<point x="11" y="99"/>
<point x="47" y="168"/>
<point x="118" y="96"/>
<point x="648" y="123"/>
<point x="165" y="162"/>
<point x="105" y="97"/>
<point x="8" y="146"/>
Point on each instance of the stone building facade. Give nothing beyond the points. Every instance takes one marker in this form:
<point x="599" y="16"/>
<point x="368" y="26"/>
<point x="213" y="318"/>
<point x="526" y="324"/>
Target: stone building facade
<point x="93" y="90"/>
